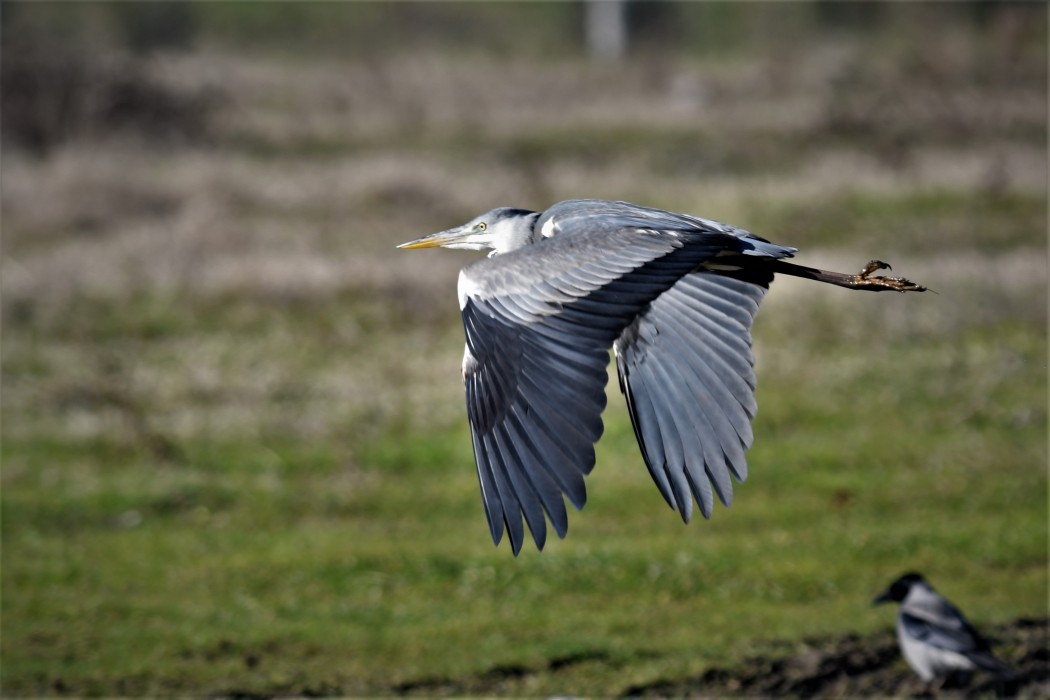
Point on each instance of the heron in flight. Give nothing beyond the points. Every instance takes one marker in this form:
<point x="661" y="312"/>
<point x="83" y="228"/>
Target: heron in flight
<point x="674" y="295"/>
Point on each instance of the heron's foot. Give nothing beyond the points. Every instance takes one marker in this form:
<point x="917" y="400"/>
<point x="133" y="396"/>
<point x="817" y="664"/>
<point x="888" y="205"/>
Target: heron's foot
<point x="872" y="266"/>
<point x="878" y="283"/>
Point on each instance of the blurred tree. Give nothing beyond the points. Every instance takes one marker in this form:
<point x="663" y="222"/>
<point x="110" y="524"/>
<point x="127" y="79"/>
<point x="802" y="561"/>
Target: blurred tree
<point x="149" y="26"/>
<point x="658" y="25"/>
<point x="837" y="14"/>
<point x="62" y="78"/>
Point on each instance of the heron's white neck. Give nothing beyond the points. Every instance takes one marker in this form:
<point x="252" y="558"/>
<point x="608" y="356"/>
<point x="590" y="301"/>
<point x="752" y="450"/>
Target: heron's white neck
<point x="510" y="234"/>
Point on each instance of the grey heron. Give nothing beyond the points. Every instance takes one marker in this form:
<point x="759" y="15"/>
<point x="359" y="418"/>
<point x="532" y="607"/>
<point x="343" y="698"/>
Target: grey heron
<point x="674" y="295"/>
<point x="935" y="638"/>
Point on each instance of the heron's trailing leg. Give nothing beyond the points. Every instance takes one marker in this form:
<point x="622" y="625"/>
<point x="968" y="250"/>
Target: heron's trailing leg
<point x="862" y="280"/>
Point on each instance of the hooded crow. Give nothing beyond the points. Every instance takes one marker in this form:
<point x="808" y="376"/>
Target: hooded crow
<point x="935" y="638"/>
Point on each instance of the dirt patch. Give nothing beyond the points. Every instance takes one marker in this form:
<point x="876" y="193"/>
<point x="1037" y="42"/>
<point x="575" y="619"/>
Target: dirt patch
<point x="868" y="666"/>
<point x="846" y="666"/>
<point x="498" y="680"/>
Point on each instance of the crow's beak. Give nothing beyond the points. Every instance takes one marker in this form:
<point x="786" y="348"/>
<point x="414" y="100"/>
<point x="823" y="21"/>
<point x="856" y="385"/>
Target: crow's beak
<point x="882" y="598"/>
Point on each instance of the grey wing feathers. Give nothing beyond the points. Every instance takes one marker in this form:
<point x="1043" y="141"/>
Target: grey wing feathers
<point x="533" y="435"/>
<point x="694" y="343"/>
<point x="942" y="634"/>
<point x="590" y="214"/>
<point x="933" y="620"/>
<point x="933" y="617"/>
<point x="948" y="629"/>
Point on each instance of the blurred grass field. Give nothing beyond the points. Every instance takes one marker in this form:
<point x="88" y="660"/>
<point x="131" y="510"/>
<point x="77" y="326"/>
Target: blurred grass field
<point x="235" y="454"/>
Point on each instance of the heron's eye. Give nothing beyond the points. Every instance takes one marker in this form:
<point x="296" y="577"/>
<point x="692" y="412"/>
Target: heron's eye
<point x="482" y="226"/>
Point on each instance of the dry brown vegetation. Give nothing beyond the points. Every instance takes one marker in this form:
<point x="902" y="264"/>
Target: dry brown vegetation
<point x="312" y="172"/>
<point x="303" y="160"/>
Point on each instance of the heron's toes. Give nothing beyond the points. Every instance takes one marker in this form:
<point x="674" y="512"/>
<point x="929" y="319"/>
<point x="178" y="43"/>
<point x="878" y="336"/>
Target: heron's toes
<point x="872" y="266"/>
<point x="902" y="284"/>
<point x="896" y="284"/>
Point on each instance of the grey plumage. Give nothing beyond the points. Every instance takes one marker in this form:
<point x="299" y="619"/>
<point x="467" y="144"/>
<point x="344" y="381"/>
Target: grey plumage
<point x="674" y="295"/>
<point x="935" y="638"/>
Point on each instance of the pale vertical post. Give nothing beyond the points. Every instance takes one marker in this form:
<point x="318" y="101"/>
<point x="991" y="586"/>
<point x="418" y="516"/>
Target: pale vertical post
<point x="606" y="28"/>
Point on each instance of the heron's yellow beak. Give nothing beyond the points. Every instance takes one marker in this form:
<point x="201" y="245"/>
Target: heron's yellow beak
<point x="439" y="240"/>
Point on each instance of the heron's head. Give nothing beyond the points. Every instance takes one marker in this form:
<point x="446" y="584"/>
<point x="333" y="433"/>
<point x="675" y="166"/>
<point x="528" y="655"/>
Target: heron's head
<point x="503" y="230"/>
<point x="899" y="589"/>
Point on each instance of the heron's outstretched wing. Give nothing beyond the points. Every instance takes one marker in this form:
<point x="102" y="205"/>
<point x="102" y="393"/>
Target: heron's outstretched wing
<point x="686" y="369"/>
<point x="539" y="322"/>
<point x="575" y="215"/>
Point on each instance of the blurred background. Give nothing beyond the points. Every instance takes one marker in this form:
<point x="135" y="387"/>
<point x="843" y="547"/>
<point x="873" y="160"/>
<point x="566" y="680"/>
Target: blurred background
<point x="235" y="453"/>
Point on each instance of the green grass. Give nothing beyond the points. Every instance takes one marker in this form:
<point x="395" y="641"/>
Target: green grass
<point x="348" y="552"/>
